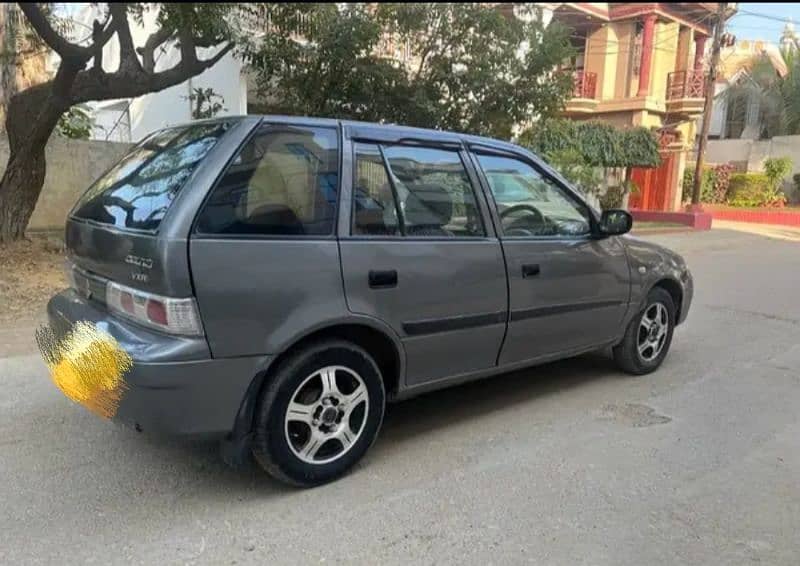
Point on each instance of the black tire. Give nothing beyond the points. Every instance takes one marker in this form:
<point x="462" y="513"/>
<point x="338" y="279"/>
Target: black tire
<point x="626" y="353"/>
<point x="271" y="446"/>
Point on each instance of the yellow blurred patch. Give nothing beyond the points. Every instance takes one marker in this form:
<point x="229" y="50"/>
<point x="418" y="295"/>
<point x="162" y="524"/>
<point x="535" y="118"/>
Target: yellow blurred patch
<point x="88" y="366"/>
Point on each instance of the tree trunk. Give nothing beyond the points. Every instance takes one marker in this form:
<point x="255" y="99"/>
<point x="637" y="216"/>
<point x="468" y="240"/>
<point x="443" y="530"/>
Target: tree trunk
<point x="30" y="121"/>
<point x="19" y="190"/>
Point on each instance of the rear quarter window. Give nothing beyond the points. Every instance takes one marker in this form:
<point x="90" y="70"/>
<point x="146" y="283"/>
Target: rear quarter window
<point x="137" y="192"/>
<point x="283" y="182"/>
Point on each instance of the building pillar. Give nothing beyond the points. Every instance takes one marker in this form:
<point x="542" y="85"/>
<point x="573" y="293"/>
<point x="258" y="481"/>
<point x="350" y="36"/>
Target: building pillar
<point x="699" y="51"/>
<point x="647" y="54"/>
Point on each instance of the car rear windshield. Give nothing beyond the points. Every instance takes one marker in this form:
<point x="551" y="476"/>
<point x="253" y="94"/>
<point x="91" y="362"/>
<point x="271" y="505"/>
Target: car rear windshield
<point x="138" y="190"/>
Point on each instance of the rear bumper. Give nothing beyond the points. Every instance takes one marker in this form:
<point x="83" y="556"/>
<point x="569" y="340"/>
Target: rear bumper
<point x="174" y="386"/>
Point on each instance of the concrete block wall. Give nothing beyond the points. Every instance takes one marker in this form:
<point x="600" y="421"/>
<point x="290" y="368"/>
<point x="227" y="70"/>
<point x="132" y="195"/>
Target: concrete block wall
<point x="72" y="165"/>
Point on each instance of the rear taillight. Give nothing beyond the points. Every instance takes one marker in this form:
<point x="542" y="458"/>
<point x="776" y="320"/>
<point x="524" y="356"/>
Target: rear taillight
<point x="176" y="316"/>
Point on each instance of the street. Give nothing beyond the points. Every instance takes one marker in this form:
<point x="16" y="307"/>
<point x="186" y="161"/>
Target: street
<point x="568" y="463"/>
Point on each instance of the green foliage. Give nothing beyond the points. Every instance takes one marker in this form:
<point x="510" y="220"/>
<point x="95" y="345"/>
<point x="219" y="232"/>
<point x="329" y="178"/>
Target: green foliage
<point x="796" y="180"/>
<point x="778" y="97"/>
<point x="576" y="169"/>
<point x="777" y="169"/>
<point x="75" y="123"/>
<point x="615" y="194"/>
<point x="471" y="68"/>
<point x="205" y="103"/>
<point x="715" y="185"/>
<point x="753" y="189"/>
<point x="599" y="143"/>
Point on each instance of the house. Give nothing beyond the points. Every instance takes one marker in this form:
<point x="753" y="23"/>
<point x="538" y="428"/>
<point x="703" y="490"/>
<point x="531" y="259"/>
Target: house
<point x="643" y="64"/>
<point x="737" y="113"/>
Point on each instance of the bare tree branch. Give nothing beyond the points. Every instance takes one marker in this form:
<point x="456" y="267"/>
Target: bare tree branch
<point x="97" y="31"/>
<point x="49" y="35"/>
<point x="89" y="86"/>
<point x="154" y="41"/>
<point x="128" y="59"/>
<point x="185" y="37"/>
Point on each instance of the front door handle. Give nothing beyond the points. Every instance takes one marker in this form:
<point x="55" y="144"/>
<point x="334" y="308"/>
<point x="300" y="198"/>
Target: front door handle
<point x="383" y="279"/>
<point x="530" y="270"/>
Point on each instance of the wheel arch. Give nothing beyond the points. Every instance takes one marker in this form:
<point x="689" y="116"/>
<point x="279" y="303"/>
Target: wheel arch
<point x="370" y="334"/>
<point x="675" y="291"/>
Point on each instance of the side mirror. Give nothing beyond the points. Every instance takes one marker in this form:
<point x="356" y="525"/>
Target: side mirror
<point x="614" y="222"/>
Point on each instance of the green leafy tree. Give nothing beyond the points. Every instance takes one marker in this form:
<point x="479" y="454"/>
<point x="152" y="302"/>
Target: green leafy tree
<point x="205" y="103"/>
<point x="572" y="147"/>
<point x="34" y="113"/>
<point x="75" y="123"/>
<point x="777" y="98"/>
<point x="469" y="67"/>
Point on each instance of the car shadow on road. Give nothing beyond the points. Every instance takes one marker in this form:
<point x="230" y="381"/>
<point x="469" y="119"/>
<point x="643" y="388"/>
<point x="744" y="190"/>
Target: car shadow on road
<point x="197" y="463"/>
<point x="448" y="407"/>
<point x="407" y="420"/>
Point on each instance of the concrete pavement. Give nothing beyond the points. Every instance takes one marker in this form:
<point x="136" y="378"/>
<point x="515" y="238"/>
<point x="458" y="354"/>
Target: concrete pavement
<point x="569" y="463"/>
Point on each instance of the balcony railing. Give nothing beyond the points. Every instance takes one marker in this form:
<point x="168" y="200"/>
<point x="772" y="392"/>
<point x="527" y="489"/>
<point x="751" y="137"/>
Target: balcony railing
<point x="584" y="84"/>
<point x="685" y="84"/>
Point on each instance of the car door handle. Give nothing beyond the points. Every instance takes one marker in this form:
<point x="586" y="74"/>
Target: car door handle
<point x="382" y="279"/>
<point x="530" y="270"/>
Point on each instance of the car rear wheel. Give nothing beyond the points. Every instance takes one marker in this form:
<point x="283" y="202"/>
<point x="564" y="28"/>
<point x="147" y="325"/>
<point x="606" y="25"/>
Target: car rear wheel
<point x="648" y="336"/>
<point x="319" y="414"/>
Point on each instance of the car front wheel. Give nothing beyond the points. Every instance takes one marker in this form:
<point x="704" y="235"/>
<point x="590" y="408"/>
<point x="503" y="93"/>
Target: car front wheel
<point x="319" y="414"/>
<point x="648" y="336"/>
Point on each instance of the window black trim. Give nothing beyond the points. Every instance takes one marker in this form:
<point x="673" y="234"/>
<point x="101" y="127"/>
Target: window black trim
<point x="401" y="216"/>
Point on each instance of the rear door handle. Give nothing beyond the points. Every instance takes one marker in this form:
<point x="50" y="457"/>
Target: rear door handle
<point x="530" y="270"/>
<point x="383" y="279"/>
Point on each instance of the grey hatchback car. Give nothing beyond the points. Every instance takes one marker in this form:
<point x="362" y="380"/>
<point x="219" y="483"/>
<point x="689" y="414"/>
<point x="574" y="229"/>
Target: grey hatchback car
<point x="276" y="280"/>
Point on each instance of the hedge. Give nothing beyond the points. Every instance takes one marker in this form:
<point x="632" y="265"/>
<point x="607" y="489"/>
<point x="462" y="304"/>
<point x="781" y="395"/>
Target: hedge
<point x="751" y="189"/>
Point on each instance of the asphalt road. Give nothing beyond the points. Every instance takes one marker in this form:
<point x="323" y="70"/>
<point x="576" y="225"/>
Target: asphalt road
<point x="569" y="463"/>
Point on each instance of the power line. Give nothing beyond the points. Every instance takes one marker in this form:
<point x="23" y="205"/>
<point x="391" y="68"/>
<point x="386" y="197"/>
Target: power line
<point x="765" y="16"/>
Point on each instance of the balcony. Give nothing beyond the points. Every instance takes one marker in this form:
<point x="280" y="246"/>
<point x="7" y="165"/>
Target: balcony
<point x="584" y="93"/>
<point x="686" y="92"/>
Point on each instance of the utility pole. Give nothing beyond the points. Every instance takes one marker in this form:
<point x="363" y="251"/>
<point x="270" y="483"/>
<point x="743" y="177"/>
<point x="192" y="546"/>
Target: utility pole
<point x="711" y="80"/>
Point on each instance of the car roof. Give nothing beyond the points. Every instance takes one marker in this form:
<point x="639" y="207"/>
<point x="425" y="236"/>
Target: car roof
<point x="374" y="130"/>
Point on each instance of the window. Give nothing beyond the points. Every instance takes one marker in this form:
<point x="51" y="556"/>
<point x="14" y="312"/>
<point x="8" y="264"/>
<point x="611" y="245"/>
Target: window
<point x="429" y="193"/>
<point x="374" y="210"/>
<point x="283" y="182"/>
<point x="530" y="204"/>
<point x="138" y="190"/>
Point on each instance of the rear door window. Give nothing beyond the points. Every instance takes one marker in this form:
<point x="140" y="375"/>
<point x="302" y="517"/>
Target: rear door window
<point x="284" y="182"/>
<point x="138" y="190"/>
<point x="413" y="191"/>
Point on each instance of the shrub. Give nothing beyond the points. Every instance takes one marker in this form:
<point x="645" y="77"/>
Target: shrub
<point x="754" y="189"/>
<point x="615" y="194"/>
<point x="715" y="184"/>
<point x="796" y="179"/>
<point x="722" y="182"/>
<point x="575" y="169"/>
<point x="777" y="169"/>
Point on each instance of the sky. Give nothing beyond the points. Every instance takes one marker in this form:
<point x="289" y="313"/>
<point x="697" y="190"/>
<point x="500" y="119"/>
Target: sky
<point x="746" y="26"/>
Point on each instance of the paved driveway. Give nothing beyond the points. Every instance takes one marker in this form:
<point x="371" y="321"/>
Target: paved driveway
<point x="569" y="463"/>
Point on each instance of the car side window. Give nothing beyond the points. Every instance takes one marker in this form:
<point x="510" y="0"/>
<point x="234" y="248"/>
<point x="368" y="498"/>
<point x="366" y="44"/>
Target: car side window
<point x="413" y="191"/>
<point x="434" y="192"/>
<point x="283" y="182"/>
<point x="374" y="209"/>
<point x="529" y="203"/>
